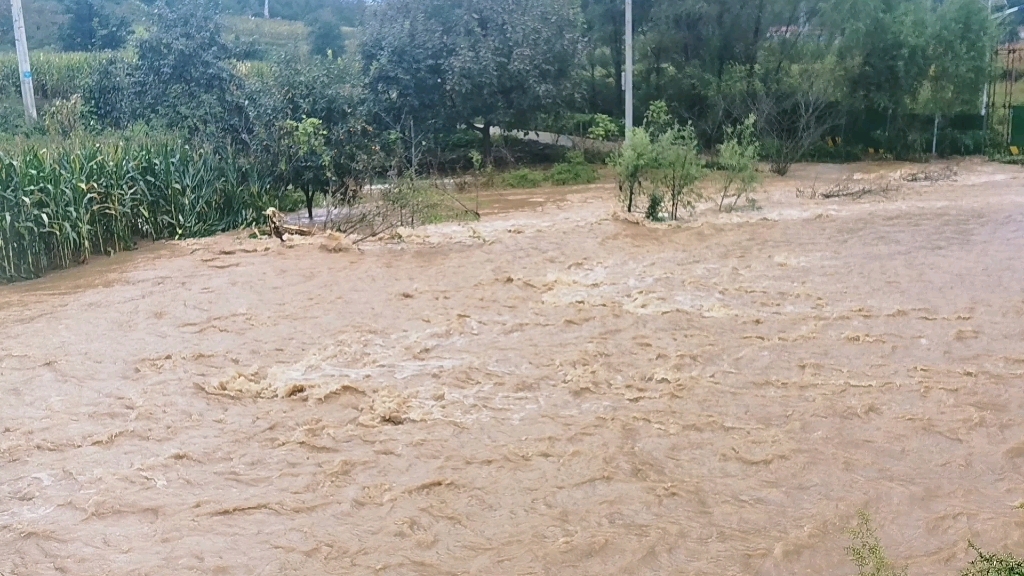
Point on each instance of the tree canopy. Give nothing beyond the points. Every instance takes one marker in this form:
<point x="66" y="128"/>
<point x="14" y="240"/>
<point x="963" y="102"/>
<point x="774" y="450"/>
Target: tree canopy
<point x="478" y="63"/>
<point x="429" y="68"/>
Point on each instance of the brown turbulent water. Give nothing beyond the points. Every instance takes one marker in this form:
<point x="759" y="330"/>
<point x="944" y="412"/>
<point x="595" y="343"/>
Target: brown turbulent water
<point x="549" y="391"/>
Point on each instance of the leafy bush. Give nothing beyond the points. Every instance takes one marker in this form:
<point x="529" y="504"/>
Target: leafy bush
<point x="325" y="37"/>
<point x="655" y="204"/>
<point x="574" y="170"/>
<point x="632" y="164"/>
<point x="822" y="152"/>
<point x="867" y="553"/>
<point x="182" y="79"/>
<point x="524" y="178"/>
<point x="679" y="167"/>
<point x="604" y="128"/>
<point x="737" y="157"/>
<point x="993" y="564"/>
<point x="292" y="92"/>
<point x="658" y="119"/>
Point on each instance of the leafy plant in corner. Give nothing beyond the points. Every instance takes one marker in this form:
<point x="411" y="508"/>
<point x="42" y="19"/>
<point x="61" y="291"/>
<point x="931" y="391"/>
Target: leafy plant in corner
<point x="867" y="553"/>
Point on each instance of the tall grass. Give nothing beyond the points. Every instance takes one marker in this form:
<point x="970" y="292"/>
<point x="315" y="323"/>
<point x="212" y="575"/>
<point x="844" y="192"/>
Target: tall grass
<point x="62" y="204"/>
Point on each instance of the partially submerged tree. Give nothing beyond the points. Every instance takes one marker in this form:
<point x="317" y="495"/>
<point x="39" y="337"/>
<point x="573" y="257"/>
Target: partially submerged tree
<point x="679" y="168"/>
<point x="632" y="163"/>
<point x="737" y="157"/>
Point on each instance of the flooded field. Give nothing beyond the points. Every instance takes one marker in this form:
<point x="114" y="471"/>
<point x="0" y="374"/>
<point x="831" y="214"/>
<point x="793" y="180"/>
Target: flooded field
<point x="552" y="390"/>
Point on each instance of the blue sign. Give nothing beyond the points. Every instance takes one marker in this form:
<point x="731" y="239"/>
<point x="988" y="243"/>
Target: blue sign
<point x="28" y="75"/>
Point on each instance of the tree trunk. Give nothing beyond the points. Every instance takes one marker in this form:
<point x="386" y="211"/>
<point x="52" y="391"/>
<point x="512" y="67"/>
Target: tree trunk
<point x="266" y="9"/>
<point x="309" y="194"/>
<point x="756" y="40"/>
<point x="414" y="157"/>
<point x="656" y="54"/>
<point x="723" y="45"/>
<point x="485" y="135"/>
<point x="935" y="137"/>
<point x="487" y="143"/>
<point x="618" y="59"/>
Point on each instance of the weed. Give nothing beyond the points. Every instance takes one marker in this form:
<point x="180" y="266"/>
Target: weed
<point x="524" y="178"/>
<point x="573" y="171"/>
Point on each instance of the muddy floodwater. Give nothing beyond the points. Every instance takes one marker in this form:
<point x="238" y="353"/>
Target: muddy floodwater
<point x="552" y="390"/>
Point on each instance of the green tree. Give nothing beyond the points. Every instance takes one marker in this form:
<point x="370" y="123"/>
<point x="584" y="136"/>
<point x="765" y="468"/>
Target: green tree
<point x="43" y="19"/>
<point x="796" y="107"/>
<point x="658" y="121"/>
<point x="605" y="24"/>
<point x="305" y="162"/>
<point x="91" y="27"/>
<point x="679" y="168"/>
<point x="329" y="91"/>
<point x="182" y="78"/>
<point x="959" y="62"/>
<point x="737" y="157"/>
<point x="632" y="164"/>
<point x="477" y="63"/>
<point x="325" y="37"/>
<point x="886" y="44"/>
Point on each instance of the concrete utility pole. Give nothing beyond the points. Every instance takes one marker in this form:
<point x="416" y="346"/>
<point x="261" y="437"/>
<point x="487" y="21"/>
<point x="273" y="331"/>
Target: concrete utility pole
<point x="629" y="69"/>
<point x="266" y="9"/>
<point x="984" y="92"/>
<point x="25" y="69"/>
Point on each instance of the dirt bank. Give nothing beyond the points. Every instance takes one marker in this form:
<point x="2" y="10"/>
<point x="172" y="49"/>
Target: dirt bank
<point x="549" y="391"/>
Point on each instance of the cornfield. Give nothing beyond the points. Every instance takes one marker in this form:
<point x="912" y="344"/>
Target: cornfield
<point x="55" y="75"/>
<point x="58" y="206"/>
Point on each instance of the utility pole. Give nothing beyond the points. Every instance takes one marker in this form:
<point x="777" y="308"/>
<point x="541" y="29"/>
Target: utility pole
<point x="266" y="9"/>
<point x="24" y="68"/>
<point x="629" y="70"/>
<point x="984" y="93"/>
